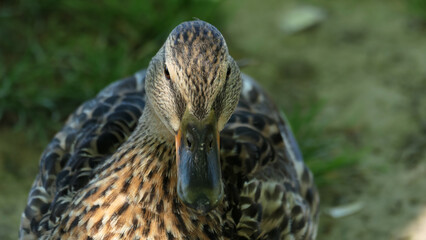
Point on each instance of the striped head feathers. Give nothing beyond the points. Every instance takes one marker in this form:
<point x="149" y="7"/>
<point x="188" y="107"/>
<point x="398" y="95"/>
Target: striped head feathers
<point x="194" y="73"/>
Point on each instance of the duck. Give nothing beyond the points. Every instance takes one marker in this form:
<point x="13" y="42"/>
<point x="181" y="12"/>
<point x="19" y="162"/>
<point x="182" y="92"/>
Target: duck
<point x="189" y="148"/>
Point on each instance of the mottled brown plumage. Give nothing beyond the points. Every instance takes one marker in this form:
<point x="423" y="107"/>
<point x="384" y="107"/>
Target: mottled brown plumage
<point x="113" y="171"/>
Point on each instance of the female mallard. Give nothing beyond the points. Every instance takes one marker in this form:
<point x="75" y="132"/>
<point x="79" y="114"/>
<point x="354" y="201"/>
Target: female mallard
<point x="142" y="159"/>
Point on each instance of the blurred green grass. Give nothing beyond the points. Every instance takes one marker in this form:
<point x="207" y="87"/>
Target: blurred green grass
<point x="324" y="151"/>
<point x="418" y="8"/>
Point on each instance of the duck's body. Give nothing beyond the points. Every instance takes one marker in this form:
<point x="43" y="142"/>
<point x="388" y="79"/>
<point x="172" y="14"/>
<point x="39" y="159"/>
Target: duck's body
<point x="113" y="173"/>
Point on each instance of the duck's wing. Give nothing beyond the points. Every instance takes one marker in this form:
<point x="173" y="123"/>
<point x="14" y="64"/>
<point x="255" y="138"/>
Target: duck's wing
<point x="91" y="134"/>
<point x="270" y="189"/>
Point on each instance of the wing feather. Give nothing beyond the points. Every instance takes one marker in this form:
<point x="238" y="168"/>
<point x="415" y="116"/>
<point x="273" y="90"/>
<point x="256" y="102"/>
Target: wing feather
<point x="277" y="198"/>
<point x="90" y="135"/>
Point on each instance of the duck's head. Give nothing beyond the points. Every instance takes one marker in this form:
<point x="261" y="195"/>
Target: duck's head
<point x="193" y="85"/>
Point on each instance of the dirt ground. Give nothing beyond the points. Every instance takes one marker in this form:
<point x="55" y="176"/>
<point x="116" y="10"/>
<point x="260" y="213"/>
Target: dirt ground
<point x="366" y="62"/>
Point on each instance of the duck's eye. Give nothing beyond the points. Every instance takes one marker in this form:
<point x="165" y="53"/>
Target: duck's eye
<point x="228" y="72"/>
<point x="166" y="73"/>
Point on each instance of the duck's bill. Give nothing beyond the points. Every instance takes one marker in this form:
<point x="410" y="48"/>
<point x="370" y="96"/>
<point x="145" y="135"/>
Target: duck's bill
<point x="199" y="174"/>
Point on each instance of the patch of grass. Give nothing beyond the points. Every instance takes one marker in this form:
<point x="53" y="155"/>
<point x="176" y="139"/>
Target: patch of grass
<point x="56" y="54"/>
<point x="418" y="8"/>
<point x="324" y="151"/>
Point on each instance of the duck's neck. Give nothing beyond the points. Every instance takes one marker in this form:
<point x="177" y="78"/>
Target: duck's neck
<point x="144" y="168"/>
<point x="151" y="127"/>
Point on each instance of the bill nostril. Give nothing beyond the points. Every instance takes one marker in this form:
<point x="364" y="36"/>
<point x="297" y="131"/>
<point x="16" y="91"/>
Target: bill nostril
<point x="189" y="140"/>
<point x="210" y="142"/>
